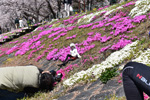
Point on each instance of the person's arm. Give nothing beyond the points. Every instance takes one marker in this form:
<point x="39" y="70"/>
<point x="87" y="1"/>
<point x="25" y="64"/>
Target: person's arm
<point x="31" y="90"/>
<point x="76" y="53"/>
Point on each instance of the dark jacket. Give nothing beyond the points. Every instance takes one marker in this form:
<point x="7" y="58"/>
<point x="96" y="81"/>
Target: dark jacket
<point x="67" y="1"/>
<point x="16" y="21"/>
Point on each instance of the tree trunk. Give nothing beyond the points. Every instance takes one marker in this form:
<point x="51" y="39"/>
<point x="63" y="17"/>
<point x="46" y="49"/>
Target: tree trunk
<point x="51" y="9"/>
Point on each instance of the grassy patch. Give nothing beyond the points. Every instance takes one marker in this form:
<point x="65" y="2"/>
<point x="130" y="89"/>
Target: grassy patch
<point x="108" y="74"/>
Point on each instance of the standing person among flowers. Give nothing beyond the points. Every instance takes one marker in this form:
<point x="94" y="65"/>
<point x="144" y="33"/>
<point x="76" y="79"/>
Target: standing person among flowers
<point x="17" y="23"/>
<point x="73" y="55"/>
<point x="136" y="80"/>
<point x="21" y="23"/>
<point x="16" y="81"/>
<point x="68" y="6"/>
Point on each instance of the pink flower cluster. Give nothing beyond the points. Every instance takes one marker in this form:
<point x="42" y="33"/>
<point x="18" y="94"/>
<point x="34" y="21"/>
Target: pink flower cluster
<point x="140" y="18"/>
<point x="31" y="54"/>
<point x="36" y="45"/>
<point x="145" y="96"/>
<point x="101" y="24"/>
<point x="67" y="70"/>
<point x="12" y="50"/>
<point x="62" y="34"/>
<point x="97" y="37"/>
<point x="121" y="27"/>
<point x="70" y="28"/>
<point x="85" y="26"/>
<point x="40" y="56"/>
<point x="13" y="42"/>
<point x="122" y="42"/>
<point x="23" y="48"/>
<point x="88" y="58"/>
<point x="56" y="33"/>
<point x="104" y="49"/>
<point x="102" y="8"/>
<point x="5" y="37"/>
<point x="51" y="54"/>
<point x="72" y="20"/>
<point x="44" y="27"/>
<point x="71" y="37"/>
<point x="128" y="4"/>
<point x="25" y="37"/>
<point x="90" y="34"/>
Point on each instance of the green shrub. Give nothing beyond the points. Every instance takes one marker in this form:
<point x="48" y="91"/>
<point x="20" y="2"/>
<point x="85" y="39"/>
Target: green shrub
<point x="108" y="74"/>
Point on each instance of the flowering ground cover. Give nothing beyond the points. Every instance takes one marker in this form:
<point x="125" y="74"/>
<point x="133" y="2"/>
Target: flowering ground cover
<point x="106" y="43"/>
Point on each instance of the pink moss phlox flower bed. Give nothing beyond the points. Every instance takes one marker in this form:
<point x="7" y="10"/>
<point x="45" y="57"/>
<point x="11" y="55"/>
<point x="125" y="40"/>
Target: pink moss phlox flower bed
<point x="35" y="45"/>
<point x="122" y="42"/>
<point x="71" y="37"/>
<point x="90" y="33"/>
<point x="88" y="58"/>
<point x="40" y="56"/>
<point x="56" y="33"/>
<point x="2" y="54"/>
<point x="51" y="54"/>
<point x="12" y="50"/>
<point x="85" y="26"/>
<point x="14" y="42"/>
<point x="70" y="28"/>
<point x="4" y="49"/>
<point x="25" y="37"/>
<point x="24" y="47"/>
<point x="62" y="53"/>
<point x="66" y="70"/>
<point x="139" y="19"/>
<point x="100" y="24"/>
<point x="104" y="49"/>
<point x="128" y="4"/>
<point x="5" y="37"/>
<point x="97" y="37"/>
<point x="62" y="34"/>
<point x="44" y="27"/>
<point x="31" y="54"/>
<point x="145" y="96"/>
<point x="72" y="20"/>
<point x="102" y="8"/>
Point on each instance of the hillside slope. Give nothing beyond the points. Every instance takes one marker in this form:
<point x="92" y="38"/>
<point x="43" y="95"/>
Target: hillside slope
<point x="106" y="38"/>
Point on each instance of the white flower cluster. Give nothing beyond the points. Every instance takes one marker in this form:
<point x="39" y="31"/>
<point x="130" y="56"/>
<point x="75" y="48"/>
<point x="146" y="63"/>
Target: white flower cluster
<point x="114" y="59"/>
<point x="141" y="7"/>
<point x="144" y="57"/>
<point x="110" y="11"/>
<point x="88" y="18"/>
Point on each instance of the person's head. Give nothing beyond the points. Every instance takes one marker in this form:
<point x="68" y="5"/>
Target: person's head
<point x="72" y="46"/>
<point x="46" y="81"/>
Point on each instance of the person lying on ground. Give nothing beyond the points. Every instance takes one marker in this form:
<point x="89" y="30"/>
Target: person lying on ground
<point x="73" y="55"/>
<point x="136" y="80"/>
<point x="17" y="81"/>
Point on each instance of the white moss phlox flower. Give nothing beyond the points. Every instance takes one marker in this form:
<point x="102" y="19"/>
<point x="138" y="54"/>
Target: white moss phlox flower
<point x="113" y="60"/>
<point x="109" y="12"/>
<point x="144" y="57"/>
<point x="141" y="7"/>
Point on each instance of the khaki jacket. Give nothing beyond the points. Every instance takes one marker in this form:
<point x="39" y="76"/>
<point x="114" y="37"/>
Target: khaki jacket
<point x="17" y="78"/>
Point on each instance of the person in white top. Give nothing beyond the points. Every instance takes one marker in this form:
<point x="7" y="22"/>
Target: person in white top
<point x="21" y="24"/>
<point x="73" y="55"/>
